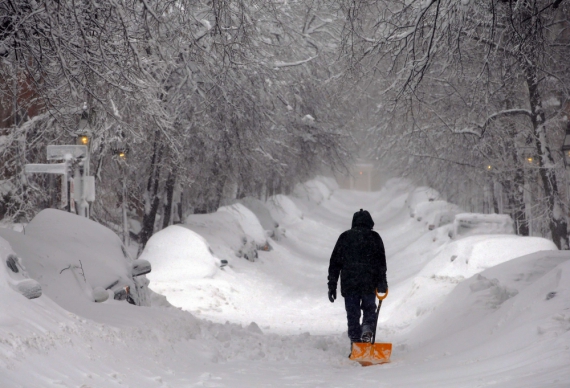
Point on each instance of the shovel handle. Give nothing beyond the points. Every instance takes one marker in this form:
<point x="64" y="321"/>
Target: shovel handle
<point x="381" y="297"/>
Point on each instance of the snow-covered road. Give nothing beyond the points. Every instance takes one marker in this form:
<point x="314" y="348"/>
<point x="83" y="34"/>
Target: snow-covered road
<point x="460" y="314"/>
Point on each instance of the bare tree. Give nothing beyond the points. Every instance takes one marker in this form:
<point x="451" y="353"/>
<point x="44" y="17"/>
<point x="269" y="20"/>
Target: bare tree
<point x="471" y="73"/>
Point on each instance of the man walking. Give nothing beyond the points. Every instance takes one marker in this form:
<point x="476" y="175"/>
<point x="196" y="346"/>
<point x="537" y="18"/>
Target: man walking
<point x="359" y="258"/>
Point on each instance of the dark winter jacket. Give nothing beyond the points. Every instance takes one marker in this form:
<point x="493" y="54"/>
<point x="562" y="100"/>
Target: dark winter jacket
<point x="358" y="257"/>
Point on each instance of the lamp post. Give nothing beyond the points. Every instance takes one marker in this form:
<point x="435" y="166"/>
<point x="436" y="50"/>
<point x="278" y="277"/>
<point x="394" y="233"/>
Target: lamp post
<point x="120" y="151"/>
<point x="83" y="133"/>
<point x="566" y="147"/>
<point x="83" y="138"/>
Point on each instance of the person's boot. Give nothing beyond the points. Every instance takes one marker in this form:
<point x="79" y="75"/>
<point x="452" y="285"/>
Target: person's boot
<point x="366" y="337"/>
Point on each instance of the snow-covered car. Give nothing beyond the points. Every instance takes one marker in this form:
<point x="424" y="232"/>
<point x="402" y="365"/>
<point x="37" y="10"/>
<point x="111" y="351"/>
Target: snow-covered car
<point x="76" y="260"/>
<point x="469" y="224"/>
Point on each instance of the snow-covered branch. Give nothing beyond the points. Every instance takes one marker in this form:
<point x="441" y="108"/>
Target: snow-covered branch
<point x="280" y="64"/>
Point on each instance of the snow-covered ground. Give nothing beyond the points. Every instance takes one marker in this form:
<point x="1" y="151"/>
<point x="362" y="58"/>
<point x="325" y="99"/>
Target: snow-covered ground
<point x="464" y="311"/>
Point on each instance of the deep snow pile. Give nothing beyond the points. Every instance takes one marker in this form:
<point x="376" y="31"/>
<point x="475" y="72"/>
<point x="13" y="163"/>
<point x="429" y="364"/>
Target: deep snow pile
<point x="462" y="311"/>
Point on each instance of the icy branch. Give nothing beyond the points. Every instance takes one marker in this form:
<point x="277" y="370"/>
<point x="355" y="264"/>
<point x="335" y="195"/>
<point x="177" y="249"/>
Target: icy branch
<point x="280" y="64"/>
<point x="479" y="131"/>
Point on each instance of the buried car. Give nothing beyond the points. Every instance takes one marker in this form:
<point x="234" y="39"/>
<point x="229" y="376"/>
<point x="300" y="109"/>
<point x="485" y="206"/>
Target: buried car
<point x="77" y="260"/>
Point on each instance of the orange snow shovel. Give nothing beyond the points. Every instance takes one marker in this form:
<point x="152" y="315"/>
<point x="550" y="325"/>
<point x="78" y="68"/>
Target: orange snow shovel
<point x="372" y="353"/>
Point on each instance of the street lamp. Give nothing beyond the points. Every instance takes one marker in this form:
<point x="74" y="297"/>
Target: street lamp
<point x="120" y="150"/>
<point x="82" y="140"/>
<point x="83" y="133"/>
<point x="121" y="153"/>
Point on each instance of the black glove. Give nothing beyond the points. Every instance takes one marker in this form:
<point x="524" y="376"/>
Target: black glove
<point x="332" y="294"/>
<point x="382" y="284"/>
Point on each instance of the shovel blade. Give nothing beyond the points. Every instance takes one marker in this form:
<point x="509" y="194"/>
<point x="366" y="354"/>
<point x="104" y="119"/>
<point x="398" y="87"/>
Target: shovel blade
<point x="371" y="354"/>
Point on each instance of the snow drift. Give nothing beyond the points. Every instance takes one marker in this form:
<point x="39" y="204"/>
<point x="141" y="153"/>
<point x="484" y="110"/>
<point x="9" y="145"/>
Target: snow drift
<point x="464" y="311"/>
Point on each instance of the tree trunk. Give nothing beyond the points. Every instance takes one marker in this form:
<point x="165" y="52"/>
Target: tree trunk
<point x="496" y="208"/>
<point x="179" y="207"/>
<point x="152" y="199"/>
<point x="515" y="185"/>
<point x="519" y="206"/>
<point x="557" y="221"/>
<point x="514" y="192"/>
<point x="167" y="220"/>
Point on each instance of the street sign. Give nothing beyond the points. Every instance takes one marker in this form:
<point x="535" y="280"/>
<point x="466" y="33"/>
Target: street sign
<point x="59" y="152"/>
<point x="56" y="168"/>
<point x="76" y="186"/>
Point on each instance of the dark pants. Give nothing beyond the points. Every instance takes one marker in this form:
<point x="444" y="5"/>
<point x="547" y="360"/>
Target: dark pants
<point x="353" y="305"/>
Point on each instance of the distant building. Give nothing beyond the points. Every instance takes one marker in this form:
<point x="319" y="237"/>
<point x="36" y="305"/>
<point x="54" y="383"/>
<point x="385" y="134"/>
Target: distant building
<point x="363" y="176"/>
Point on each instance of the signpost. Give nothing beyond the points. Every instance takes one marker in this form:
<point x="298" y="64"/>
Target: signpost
<point x="64" y="152"/>
<point x="76" y="187"/>
<point x="57" y="168"/>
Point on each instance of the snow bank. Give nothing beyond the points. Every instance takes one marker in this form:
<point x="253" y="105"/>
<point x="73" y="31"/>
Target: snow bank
<point x="466" y="257"/>
<point x="178" y="254"/>
<point x="520" y="307"/>
<point x="431" y="267"/>
<point x="461" y="312"/>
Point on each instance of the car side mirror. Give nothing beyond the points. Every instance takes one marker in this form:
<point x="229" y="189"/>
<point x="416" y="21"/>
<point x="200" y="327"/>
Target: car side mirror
<point x="100" y="295"/>
<point x="29" y="288"/>
<point x="140" y="267"/>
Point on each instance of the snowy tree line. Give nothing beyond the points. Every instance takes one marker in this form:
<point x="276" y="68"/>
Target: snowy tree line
<point x="220" y="99"/>
<point x="189" y="104"/>
<point x="471" y="97"/>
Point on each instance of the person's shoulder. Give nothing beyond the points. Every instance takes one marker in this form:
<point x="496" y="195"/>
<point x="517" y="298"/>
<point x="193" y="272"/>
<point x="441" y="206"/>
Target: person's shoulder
<point x="376" y="234"/>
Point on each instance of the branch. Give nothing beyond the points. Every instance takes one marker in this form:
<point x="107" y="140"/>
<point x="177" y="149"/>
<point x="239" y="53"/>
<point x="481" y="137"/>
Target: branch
<point x="291" y="64"/>
<point x="446" y="160"/>
<point x="150" y="10"/>
<point x="490" y="119"/>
